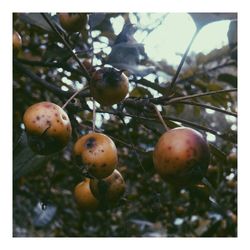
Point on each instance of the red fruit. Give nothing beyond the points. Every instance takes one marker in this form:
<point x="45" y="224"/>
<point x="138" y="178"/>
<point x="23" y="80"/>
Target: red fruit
<point x="181" y="156"/>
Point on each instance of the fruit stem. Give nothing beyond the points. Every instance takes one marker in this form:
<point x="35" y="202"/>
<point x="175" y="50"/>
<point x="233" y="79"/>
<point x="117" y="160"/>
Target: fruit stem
<point x="75" y="94"/>
<point x="183" y="60"/>
<point x="86" y="73"/>
<point x="94" y="115"/>
<point x="160" y="117"/>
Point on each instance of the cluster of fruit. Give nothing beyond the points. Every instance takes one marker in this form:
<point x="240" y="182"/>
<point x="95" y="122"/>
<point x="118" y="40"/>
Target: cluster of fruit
<point x="181" y="155"/>
<point x="48" y="130"/>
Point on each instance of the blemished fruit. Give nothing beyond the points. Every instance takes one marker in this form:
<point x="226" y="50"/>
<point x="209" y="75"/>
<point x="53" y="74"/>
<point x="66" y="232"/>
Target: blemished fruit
<point x="232" y="158"/>
<point x="98" y="153"/>
<point x="109" y="189"/>
<point x="48" y="127"/>
<point x="73" y="22"/>
<point x="181" y="156"/>
<point x="88" y="66"/>
<point x="109" y="86"/>
<point x="17" y="41"/>
<point x="84" y="197"/>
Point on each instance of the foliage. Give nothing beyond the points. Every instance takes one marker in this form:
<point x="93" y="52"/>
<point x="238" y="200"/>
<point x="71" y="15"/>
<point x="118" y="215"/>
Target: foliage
<point x="44" y="69"/>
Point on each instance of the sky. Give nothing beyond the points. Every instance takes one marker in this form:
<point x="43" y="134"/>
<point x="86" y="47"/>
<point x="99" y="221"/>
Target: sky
<point x="170" y="39"/>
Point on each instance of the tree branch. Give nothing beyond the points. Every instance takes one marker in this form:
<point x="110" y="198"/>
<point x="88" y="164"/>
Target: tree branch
<point x="167" y="100"/>
<point x="49" y="65"/>
<point x="183" y="60"/>
<point x="85" y="71"/>
<point x="45" y="84"/>
<point x="209" y="107"/>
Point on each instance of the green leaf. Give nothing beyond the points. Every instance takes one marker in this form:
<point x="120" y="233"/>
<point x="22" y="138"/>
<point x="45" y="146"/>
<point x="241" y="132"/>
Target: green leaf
<point x="36" y="19"/>
<point x="140" y="92"/>
<point x="179" y="108"/>
<point x="221" y="156"/>
<point x="25" y="160"/>
<point x="197" y="110"/>
<point x="228" y="78"/>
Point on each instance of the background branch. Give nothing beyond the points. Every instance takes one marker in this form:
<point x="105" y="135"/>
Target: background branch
<point x="45" y="84"/>
<point x="85" y="71"/>
<point x="209" y="107"/>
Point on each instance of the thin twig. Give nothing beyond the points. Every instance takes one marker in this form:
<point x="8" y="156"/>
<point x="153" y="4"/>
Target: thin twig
<point x="205" y="71"/>
<point x="40" y="63"/>
<point x="85" y="71"/>
<point x="160" y="117"/>
<point x="53" y="88"/>
<point x="94" y="114"/>
<point x="209" y="107"/>
<point x="183" y="60"/>
<point x="181" y="98"/>
<point x="132" y="144"/>
<point x="195" y="125"/>
<point x="74" y="95"/>
<point x="113" y="138"/>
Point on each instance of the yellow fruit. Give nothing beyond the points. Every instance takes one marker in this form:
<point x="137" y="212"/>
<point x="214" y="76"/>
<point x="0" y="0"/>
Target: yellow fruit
<point x="109" y="189"/>
<point x="84" y="197"/>
<point x="73" y="22"/>
<point x="98" y="153"/>
<point x="17" y="42"/>
<point x="48" y="127"/>
<point x="109" y="86"/>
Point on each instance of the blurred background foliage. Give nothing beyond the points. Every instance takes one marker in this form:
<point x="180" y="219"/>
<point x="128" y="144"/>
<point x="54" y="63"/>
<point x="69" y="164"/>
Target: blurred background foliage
<point x="43" y="69"/>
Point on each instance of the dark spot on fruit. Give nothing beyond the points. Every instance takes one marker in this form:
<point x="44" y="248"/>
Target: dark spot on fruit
<point x="47" y="105"/>
<point x="38" y="118"/>
<point x="102" y="150"/>
<point x="67" y="128"/>
<point x="54" y="108"/>
<point x="56" y="114"/>
<point x="90" y="151"/>
<point x="177" y="158"/>
<point x="64" y="117"/>
<point x="116" y="176"/>
<point x="57" y="121"/>
<point x="43" y="115"/>
<point x="90" y="143"/>
<point x="54" y="130"/>
<point x="194" y="151"/>
<point x="48" y="122"/>
<point x="103" y="165"/>
<point x="33" y="121"/>
<point x="169" y="147"/>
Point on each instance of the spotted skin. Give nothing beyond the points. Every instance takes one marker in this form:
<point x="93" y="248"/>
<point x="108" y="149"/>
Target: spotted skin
<point x="48" y="127"/>
<point x="181" y="155"/>
<point x="98" y="153"/>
